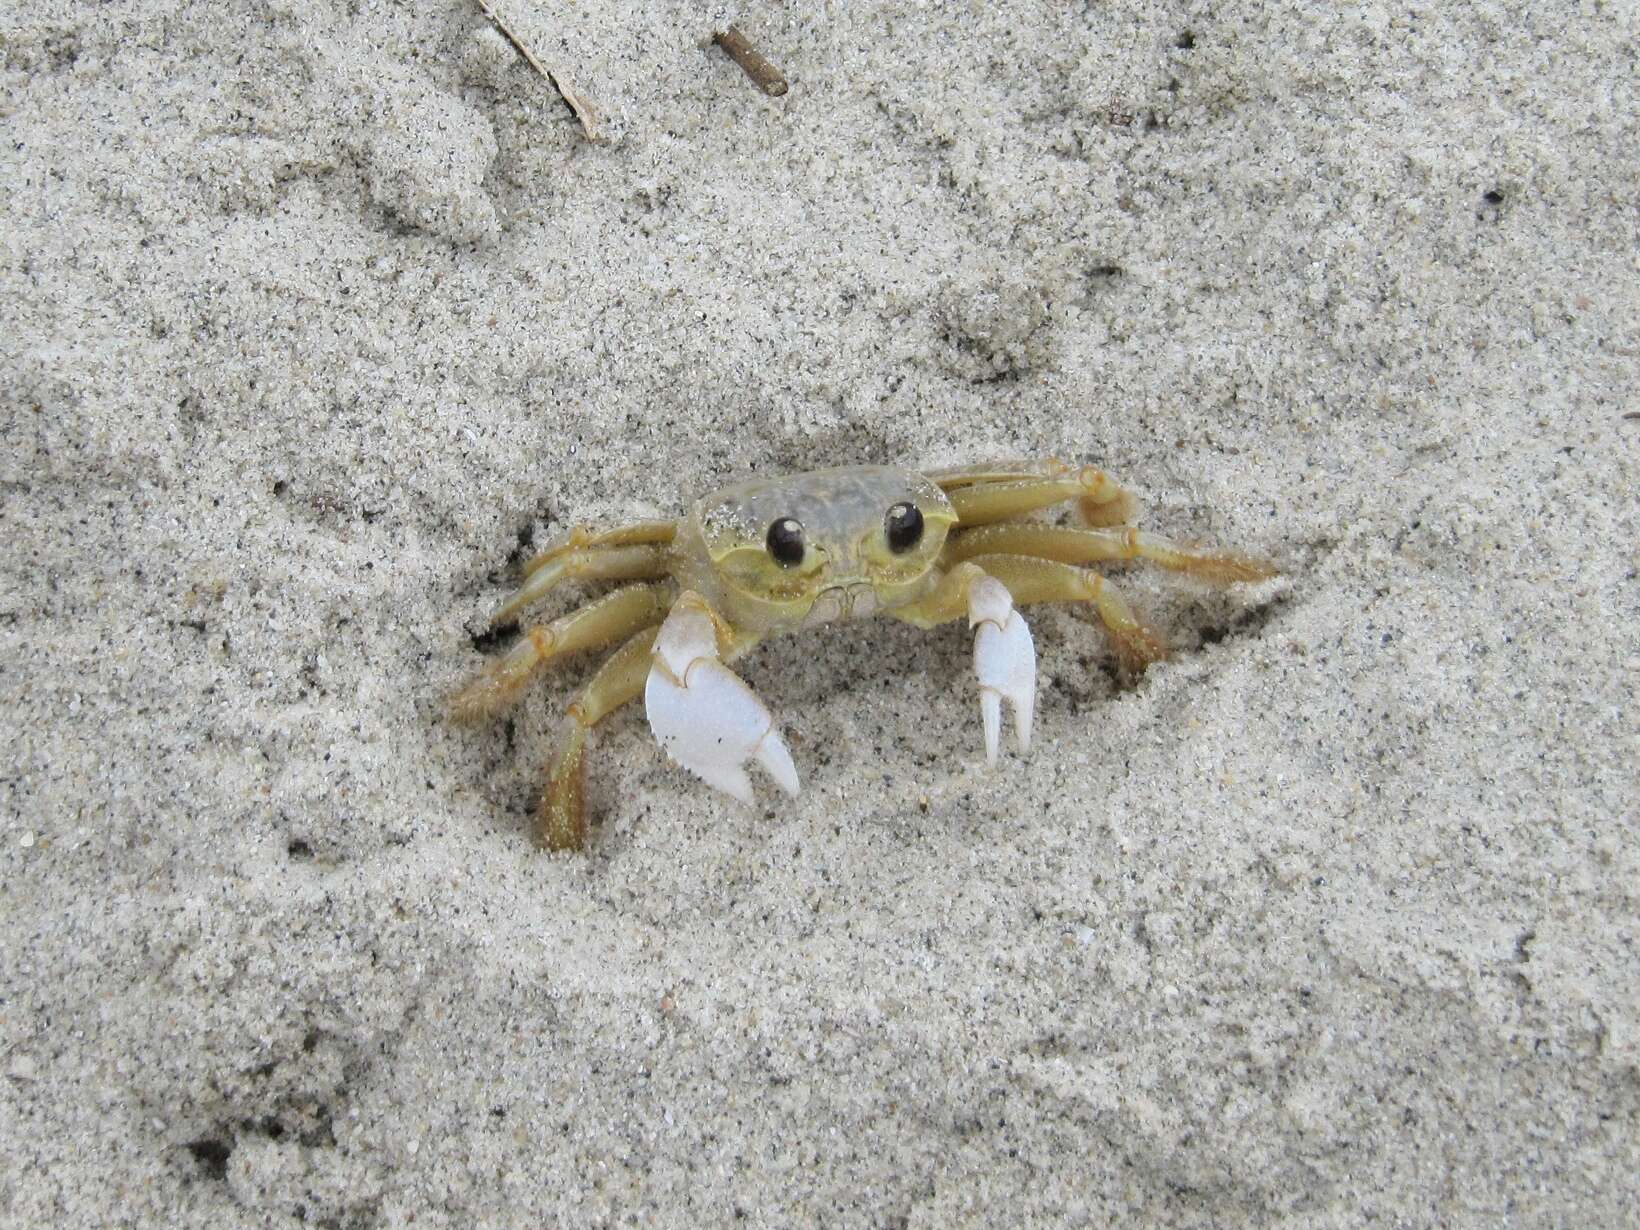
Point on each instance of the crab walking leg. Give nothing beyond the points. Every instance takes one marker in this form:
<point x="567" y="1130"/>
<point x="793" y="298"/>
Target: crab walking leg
<point x="1076" y="546"/>
<point x="593" y="626"/>
<point x="703" y="714"/>
<point x="1030" y="580"/>
<point x="562" y="820"/>
<point x="982" y="497"/>
<point x="597" y="563"/>
<point x="581" y="537"/>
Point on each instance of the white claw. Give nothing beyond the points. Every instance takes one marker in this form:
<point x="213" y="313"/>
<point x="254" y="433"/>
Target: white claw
<point x="1004" y="660"/>
<point x="704" y="715"/>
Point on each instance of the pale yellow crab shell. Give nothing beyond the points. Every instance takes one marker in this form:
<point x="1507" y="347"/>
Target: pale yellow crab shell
<point x="847" y="568"/>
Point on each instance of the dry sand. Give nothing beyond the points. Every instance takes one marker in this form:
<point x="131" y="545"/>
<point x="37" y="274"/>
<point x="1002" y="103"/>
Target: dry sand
<point x="313" y="317"/>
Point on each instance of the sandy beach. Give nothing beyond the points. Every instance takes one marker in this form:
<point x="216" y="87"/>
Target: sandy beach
<point x="317" y="319"/>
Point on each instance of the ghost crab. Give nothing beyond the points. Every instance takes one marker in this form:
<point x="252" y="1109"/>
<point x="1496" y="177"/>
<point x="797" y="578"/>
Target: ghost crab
<point x="771" y="555"/>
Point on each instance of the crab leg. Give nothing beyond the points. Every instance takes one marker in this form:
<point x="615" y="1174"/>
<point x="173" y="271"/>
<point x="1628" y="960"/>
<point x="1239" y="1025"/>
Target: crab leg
<point x="595" y="563"/>
<point x="1030" y="580"/>
<point x="987" y="494"/>
<point x="1075" y="546"/>
<point x="581" y="537"/>
<point x="1004" y="658"/>
<point x="562" y="819"/>
<point x="597" y="624"/>
<point x="703" y="714"/>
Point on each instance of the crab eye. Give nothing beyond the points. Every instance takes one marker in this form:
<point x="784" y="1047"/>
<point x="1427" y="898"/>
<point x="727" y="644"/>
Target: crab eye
<point x="903" y="527"/>
<point x="785" y="542"/>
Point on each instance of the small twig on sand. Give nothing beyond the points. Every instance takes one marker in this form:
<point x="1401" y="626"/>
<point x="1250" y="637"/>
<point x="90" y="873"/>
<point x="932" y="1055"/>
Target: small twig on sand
<point x="582" y="108"/>
<point x="764" y="75"/>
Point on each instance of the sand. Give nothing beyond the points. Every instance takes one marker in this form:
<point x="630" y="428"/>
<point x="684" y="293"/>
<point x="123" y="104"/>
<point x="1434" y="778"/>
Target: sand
<point x="315" y="319"/>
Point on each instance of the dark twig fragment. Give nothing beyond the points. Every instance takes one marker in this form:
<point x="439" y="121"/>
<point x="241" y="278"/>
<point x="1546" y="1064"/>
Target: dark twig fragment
<point x="764" y="75"/>
<point x="582" y="108"/>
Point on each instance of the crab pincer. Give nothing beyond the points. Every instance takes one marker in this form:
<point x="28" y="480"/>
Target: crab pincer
<point x="703" y="714"/>
<point x="1004" y="661"/>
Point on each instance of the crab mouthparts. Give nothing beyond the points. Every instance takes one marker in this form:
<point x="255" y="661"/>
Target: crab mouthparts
<point x="853" y="601"/>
